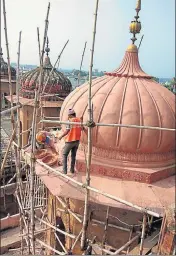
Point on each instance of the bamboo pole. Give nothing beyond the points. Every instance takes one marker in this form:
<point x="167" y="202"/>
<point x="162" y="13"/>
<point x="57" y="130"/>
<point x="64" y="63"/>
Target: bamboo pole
<point x="76" y="240"/>
<point x="34" y="122"/>
<point x="161" y="235"/>
<point x="61" y="244"/>
<point x="105" y="227"/>
<point x="81" y="63"/>
<point x="59" y="56"/>
<point x="18" y="161"/>
<point x="4" y="112"/>
<point x="140" y="42"/>
<point x="143" y="233"/>
<point x="89" y="153"/>
<point x="56" y="228"/>
<point x="69" y="210"/>
<point x="47" y="246"/>
<point x="113" y="125"/>
<point x="130" y="237"/>
<point x="8" y="148"/>
<point x="126" y="245"/>
<point x="9" y="68"/>
<point x="38" y="37"/>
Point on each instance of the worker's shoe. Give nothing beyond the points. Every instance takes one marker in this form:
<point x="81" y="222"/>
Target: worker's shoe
<point x="72" y="171"/>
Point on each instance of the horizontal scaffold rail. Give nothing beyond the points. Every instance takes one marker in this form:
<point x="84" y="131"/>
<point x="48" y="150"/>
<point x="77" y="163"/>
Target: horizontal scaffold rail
<point x="111" y="125"/>
<point x="3" y="113"/>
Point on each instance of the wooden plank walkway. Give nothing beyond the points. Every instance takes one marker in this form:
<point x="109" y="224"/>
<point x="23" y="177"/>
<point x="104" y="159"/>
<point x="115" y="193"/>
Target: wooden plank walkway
<point x="149" y="243"/>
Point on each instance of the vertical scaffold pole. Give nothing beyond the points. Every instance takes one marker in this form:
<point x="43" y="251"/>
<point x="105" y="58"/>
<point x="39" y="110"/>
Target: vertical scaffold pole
<point x="89" y="153"/>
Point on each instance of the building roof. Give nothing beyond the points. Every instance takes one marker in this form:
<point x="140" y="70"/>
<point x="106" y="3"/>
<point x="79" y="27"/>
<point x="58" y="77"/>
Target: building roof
<point x="56" y="84"/>
<point x="4" y="69"/>
<point x="30" y="102"/>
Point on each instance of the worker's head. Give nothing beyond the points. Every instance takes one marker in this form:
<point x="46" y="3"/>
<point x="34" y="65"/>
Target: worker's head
<point x="41" y="137"/>
<point x="71" y="113"/>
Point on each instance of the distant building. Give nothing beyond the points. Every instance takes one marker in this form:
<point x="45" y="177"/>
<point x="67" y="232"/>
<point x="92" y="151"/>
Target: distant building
<point x="5" y="81"/>
<point x="57" y="88"/>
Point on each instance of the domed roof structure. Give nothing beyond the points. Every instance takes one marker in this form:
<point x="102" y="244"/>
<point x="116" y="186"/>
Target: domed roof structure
<point x="128" y="96"/>
<point x="4" y="69"/>
<point x="57" y="83"/>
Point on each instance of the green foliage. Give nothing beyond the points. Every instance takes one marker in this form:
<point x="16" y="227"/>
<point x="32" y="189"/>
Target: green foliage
<point x="156" y="79"/>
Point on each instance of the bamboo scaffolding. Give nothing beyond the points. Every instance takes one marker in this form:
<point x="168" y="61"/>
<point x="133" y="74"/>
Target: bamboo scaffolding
<point x="100" y="222"/>
<point x="58" y="173"/>
<point x="56" y="228"/>
<point x="112" y="125"/>
<point x="18" y="161"/>
<point x="76" y="240"/>
<point x="61" y="244"/>
<point x="38" y="37"/>
<point x="89" y="153"/>
<point x="4" y="112"/>
<point x="161" y="235"/>
<point x="47" y="246"/>
<point x="127" y="244"/>
<point x="6" y="153"/>
<point x="69" y="210"/>
<point x="9" y="69"/>
<point x="81" y="63"/>
<point x="34" y="122"/>
<point x="130" y="237"/>
<point x="105" y="227"/>
<point x="143" y="233"/>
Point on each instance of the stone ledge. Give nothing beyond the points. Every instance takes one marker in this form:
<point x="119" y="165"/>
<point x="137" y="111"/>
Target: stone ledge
<point x="143" y="175"/>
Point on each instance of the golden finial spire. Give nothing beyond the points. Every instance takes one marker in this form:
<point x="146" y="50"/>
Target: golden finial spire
<point x="138" y="6"/>
<point x="135" y="26"/>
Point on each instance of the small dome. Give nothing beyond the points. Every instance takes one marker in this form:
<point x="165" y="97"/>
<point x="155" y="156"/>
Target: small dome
<point x="57" y="83"/>
<point x="4" y="69"/>
<point x="128" y="96"/>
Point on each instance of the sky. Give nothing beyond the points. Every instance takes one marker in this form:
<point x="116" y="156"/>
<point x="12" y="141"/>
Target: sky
<point x="73" y="20"/>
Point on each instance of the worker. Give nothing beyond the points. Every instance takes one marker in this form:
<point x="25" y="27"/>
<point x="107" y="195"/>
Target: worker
<point x="73" y="135"/>
<point x="43" y="138"/>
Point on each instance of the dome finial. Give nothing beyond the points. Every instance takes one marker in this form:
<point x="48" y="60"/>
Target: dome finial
<point x="47" y="49"/>
<point x="135" y="26"/>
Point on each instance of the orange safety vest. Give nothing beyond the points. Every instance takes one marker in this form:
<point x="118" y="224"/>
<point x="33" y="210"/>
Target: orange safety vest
<point x="75" y="130"/>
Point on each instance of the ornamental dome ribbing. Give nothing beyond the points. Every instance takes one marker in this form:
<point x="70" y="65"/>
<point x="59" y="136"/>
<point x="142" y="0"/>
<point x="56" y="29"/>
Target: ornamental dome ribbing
<point x="128" y="96"/>
<point x="4" y="69"/>
<point x="57" y="83"/>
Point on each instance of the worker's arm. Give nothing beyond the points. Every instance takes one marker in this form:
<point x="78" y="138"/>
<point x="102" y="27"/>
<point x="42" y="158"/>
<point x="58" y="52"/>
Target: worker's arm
<point x="64" y="134"/>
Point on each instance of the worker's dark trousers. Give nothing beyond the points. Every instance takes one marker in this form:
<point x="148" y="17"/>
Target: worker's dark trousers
<point x="73" y="147"/>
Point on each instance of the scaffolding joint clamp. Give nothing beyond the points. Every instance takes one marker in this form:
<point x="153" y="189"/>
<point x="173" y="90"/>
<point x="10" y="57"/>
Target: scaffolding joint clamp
<point x="90" y="124"/>
<point x="84" y="185"/>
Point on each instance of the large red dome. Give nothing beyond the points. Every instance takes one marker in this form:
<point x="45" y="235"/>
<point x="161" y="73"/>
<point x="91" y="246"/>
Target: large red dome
<point x="128" y="96"/>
